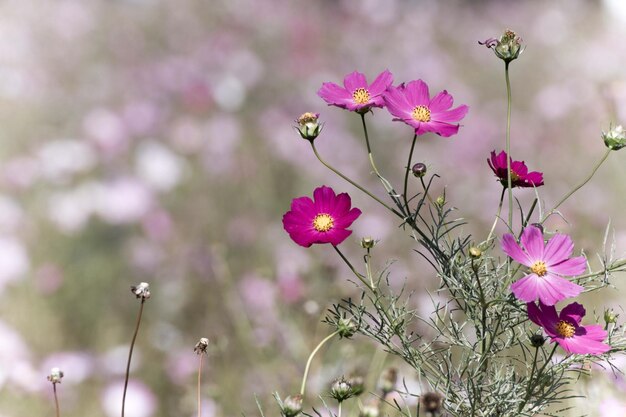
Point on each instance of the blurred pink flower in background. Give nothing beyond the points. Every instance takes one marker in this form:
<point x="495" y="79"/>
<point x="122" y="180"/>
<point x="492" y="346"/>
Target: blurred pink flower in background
<point x="14" y="263"/>
<point x="140" y="400"/>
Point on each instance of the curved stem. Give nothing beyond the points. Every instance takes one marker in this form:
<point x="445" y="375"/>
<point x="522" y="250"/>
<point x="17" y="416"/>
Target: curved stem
<point x="406" y="175"/>
<point x="130" y="354"/>
<point x="397" y="213"/>
<point x="367" y="143"/>
<point x="56" y="399"/>
<point x="508" y="143"/>
<point x="354" y="271"/>
<point x="199" y="384"/>
<point x="495" y="221"/>
<point x="579" y="186"/>
<point x="308" y="362"/>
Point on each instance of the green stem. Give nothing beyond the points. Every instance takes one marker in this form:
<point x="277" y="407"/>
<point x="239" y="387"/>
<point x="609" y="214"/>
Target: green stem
<point x="530" y="386"/>
<point x="406" y="175"/>
<point x="130" y="354"/>
<point x="308" y="362"/>
<point x="579" y="186"/>
<point x="397" y="213"/>
<point x="339" y="409"/>
<point x="530" y="380"/>
<point x="56" y="399"/>
<point x="368" y="269"/>
<point x="369" y="148"/>
<point x="495" y="221"/>
<point x="353" y="269"/>
<point x="508" y="143"/>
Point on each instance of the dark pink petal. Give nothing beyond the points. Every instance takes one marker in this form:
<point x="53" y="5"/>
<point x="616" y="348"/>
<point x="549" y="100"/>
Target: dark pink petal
<point x="442" y="101"/>
<point x="342" y="205"/>
<point x="544" y="316"/>
<point x="558" y="248"/>
<point x="324" y="198"/>
<point x="574" y="311"/>
<point x="333" y="94"/>
<point x="570" y="267"/>
<point x="353" y="81"/>
<point x="451" y="116"/>
<point x="303" y="205"/>
<point x="595" y="332"/>
<point x="511" y="248"/>
<point x="381" y="83"/>
<point x="532" y="240"/>
<point x="519" y="168"/>
<point x="440" y="128"/>
<point x="526" y="289"/>
<point x="535" y="178"/>
<point x="555" y="289"/>
<point x="336" y="236"/>
<point x="534" y="314"/>
<point x="582" y="345"/>
<point x="301" y="238"/>
<point x="417" y="93"/>
<point x="397" y="104"/>
<point x="346" y="219"/>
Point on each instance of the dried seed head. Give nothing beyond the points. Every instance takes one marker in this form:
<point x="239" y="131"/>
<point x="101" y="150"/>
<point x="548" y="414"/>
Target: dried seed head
<point x="309" y="126"/>
<point x="537" y="340"/>
<point x="141" y="291"/>
<point x="341" y="390"/>
<point x="615" y="138"/>
<point x="55" y="376"/>
<point x="431" y="402"/>
<point x="419" y="170"/>
<point x="358" y="385"/>
<point x="201" y="346"/>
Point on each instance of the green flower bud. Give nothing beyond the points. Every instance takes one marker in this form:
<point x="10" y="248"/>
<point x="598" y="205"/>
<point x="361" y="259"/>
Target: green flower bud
<point x="368" y="243"/>
<point x="341" y="390"/>
<point x="346" y="328"/>
<point x="292" y="406"/>
<point x="507" y="48"/>
<point x="610" y="316"/>
<point x="440" y="201"/>
<point x="615" y="138"/>
<point x="309" y="126"/>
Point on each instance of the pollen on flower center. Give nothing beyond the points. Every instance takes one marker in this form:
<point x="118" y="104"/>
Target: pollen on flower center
<point x="323" y="222"/>
<point x="565" y="329"/>
<point x="539" y="268"/>
<point x="361" y="96"/>
<point x="421" y="114"/>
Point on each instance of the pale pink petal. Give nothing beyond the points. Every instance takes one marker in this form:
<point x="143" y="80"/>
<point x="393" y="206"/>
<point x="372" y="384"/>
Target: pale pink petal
<point x="570" y="267"/>
<point x="558" y="248"/>
<point x="526" y="289"/>
<point x="442" y="101"/>
<point x="381" y="83"/>
<point x="555" y="289"/>
<point x="397" y="104"/>
<point x="451" y="116"/>
<point x="354" y="80"/>
<point x="511" y="248"/>
<point x="595" y="332"/>
<point x="532" y="240"/>
<point x="333" y="94"/>
<point x="417" y="93"/>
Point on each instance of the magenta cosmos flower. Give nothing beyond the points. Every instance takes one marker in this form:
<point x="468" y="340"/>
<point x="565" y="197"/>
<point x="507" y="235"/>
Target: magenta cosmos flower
<point x="411" y="104"/>
<point x="321" y="220"/>
<point x="547" y="264"/>
<point x="566" y="330"/>
<point x="520" y="177"/>
<point x="356" y="95"/>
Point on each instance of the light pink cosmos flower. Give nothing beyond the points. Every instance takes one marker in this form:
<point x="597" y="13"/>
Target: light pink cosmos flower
<point x="322" y="220"/>
<point x="546" y="263"/>
<point x="411" y="104"/>
<point x="565" y="328"/>
<point x="356" y="95"/>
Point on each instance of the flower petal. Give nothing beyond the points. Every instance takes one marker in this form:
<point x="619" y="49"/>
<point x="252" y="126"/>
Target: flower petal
<point x="354" y="80"/>
<point x="511" y="248"/>
<point x="324" y="198"/>
<point x="573" y="311"/>
<point x="558" y="248"/>
<point x="381" y="83"/>
<point x="532" y="240"/>
<point x="569" y="267"/>
<point x="397" y="104"/>
<point x="335" y="95"/>
<point x="336" y="236"/>
<point x="582" y="345"/>
<point x="595" y="332"/>
<point x="553" y="289"/>
<point x="442" y="101"/>
<point x="440" y="128"/>
<point x="417" y="93"/>
<point x="453" y="115"/>
<point x="346" y="219"/>
<point x="526" y="289"/>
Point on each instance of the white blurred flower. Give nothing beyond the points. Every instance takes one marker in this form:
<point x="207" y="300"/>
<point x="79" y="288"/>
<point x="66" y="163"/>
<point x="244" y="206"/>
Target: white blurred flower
<point x="60" y="159"/>
<point x="107" y="131"/>
<point x="13" y="349"/>
<point x="140" y="400"/>
<point x="81" y="365"/>
<point x="113" y="362"/>
<point x="158" y="166"/>
<point x="71" y="210"/>
<point x="11" y="214"/>
<point x="123" y="201"/>
<point x="229" y="93"/>
<point x="14" y="262"/>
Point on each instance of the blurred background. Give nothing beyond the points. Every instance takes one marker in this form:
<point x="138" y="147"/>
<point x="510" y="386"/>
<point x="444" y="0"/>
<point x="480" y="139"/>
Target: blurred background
<point x="147" y="140"/>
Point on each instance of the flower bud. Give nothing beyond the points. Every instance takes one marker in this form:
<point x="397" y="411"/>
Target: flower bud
<point x="387" y="382"/>
<point x="141" y="291"/>
<point x="538" y="226"/>
<point x="55" y="376"/>
<point x="341" y="390"/>
<point x="309" y="126"/>
<point x="431" y="402"/>
<point x="537" y="340"/>
<point x="201" y="346"/>
<point x="615" y="138"/>
<point x="440" y="201"/>
<point x="368" y="243"/>
<point x="507" y="48"/>
<point x="357" y="384"/>
<point x="346" y="328"/>
<point x="292" y="406"/>
<point x="610" y="316"/>
<point x="419" y="170"/>
<point x="475" y="252"/>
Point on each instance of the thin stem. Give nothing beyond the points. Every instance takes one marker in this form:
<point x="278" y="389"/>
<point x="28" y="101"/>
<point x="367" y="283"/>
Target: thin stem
<point x="495" y="221"/>
<point x="367" y="143"/>
<point x="579" y="186"/>
<point x="353" y="269"/>
<point x="406" y="175"/>
<point x="530" y="380"/>
<point x="308" y="362"/>
<point x="130" y="354"/>
<point x="339" y="409"/>
<point x="56" y="399"/>
<point x="368" y="268"/>
<point x="508" y="143"/>
<point x="397" y="213"/>
<point x="532" y="387"/>
<point x="199" y="384"/>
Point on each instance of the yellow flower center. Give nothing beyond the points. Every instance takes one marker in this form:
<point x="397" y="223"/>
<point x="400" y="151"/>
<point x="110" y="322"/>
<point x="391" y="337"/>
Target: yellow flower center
<point x="421" y="114"/>
<point x="323" y="222"/>
<point x="361" y="96"/>
<point x="539" y="268"/>
<point x="565" y="329"/>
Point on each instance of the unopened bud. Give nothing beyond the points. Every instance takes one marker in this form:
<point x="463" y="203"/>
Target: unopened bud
<point x="419" y="170"/>
<point x="201" y="346"/>
<point x="368" y="243"/>
<point x="431" y="402"/>
<point x="475" y="252"/>
<point x="610" y="316"/>
<point x="309" y="126"/>
<point x="507" y="48"/>
<point x="357" y="384"/>
<point x="141" y="291"/>
<point x="440" y="201"/>
<point x="615" y="138"/>
<point x="341" y="390"/>
<point x="537" y="340"/>
<point x="346" y="328"/>
<point x="292" y="406"/>
<point x="55" y="376"/>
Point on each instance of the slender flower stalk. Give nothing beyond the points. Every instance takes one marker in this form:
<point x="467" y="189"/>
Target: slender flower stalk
<point x="406" y="175"/>
<point x="200" y="350"/>
<point x="508" y="142"/>
<point x="495" y="221"/>
<point x="141" y="291"/>
<point x="311" y="356"/>
<point x="55" y="377"/>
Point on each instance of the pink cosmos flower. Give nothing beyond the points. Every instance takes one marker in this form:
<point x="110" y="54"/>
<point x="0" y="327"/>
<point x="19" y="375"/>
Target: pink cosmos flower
<point x="321" y="220"/>
<point x="412" y="105"/>
<point x="356" y="95"/>
<point x="546" y="263"/>
<point x="520" y="177"/>
<point x="565" y="328"/>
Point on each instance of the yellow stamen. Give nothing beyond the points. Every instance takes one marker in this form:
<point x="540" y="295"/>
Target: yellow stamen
<point x="323" y="222"/>
<point x="421" y="114"/>
<point x="539" y="268"/>
<point x="361" y="96"/>
<point x="565" y="329"/>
